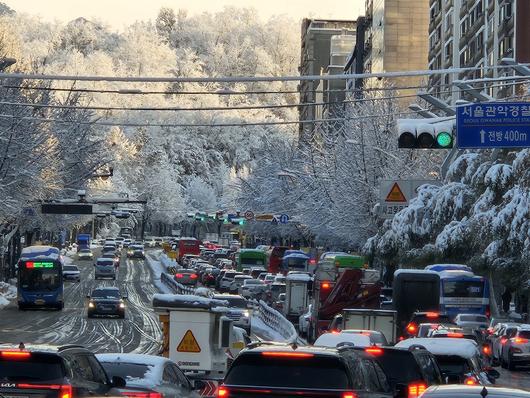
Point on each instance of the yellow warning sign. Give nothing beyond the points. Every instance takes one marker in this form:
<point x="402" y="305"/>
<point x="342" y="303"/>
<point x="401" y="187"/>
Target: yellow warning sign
<point x="395" y="194"/>
<point x="188" y="343"/>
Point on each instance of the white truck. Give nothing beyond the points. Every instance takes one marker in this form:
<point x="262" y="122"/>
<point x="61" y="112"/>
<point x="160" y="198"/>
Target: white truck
<point x="384" y="321"/>
<point x="296" y="295"/>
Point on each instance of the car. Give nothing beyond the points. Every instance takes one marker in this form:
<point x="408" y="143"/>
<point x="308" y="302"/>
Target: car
<point x="85" y="254"/>
<point x="499" y="336"/>
<point x="226" y="280"/>
<point x="186" y="277"/>
<point x="454" y="332"/>
<point x="262" y="276"/>
<point x="275" y="289"/>
<point x="238" y="309"/>
<point x="186" y="259"/>
<point x="335" y="339"/>
<point x="287" y="371"/>
<point x="105" y="268"/>
<point x="419" y="317"/>
<point x="148" y="376"/>
<point x="106" y="301"/>
<point x="237" y="283"/>
<point x="303" y="321"/>
<point x="269" y="278"/>
<point x="425" y="329"/>
<point x="474" y="392"/>
<point x="210" y="276"/>
<point x="279" y="279"/>
<point x="459" y="359"/>
<point x="53" y="371"/>
<point x="158" y="241"/>
<point x="127" y="242"/>
<point x="376" y="337"/>
<point x="251" y="287"/>
<point x="71" y="273"/>
<point x="516" y="348"/>
<point x="112" y="255"/>
<point x="278" y="304"/>
<point x="409" y="371"/>
<point x="150" y="242"/>
<point x="472" y="321"/>
<point x="136" y="251"/>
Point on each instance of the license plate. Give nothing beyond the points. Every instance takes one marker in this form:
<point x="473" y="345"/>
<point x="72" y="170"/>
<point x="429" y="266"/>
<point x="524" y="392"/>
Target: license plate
<point x="39" y="301"/>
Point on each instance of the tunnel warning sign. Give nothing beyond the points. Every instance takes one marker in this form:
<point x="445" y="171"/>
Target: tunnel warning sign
<point x="188" y="343"/>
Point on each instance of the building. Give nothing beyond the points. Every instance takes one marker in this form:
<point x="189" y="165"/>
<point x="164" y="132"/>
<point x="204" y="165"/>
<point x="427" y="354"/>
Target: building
<point x="395" y="39"/>
<point x="476" y="33"/>
<point x="325" y="47"/>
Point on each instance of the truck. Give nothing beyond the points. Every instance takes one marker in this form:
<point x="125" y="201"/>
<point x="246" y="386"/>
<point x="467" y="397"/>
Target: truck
<point x="341" y="281"/>
<point x="212" y="237"/>
<point x="296" y="295"/>
<point x="414" y="290"/>
<point x="83" y="241"/>
<point x="384" y="321"/>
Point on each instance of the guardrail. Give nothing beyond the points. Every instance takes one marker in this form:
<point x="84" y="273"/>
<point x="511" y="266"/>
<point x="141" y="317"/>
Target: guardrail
<point x="276" y="321"/>
<point x="176" y="287"/>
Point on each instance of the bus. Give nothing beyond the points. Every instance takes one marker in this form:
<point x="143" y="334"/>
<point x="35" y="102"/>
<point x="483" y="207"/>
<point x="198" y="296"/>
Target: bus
<point x="251" y="258"/>
<point x="188" y="246"/>
<point x="40" y="278"/>
<point x="275" y="255"/>
<point x="295" y="260"/>
<point x="461" y="291"/>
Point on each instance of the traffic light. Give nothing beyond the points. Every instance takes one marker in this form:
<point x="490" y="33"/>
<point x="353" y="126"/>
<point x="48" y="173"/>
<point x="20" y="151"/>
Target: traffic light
<point x="417" y="134"/>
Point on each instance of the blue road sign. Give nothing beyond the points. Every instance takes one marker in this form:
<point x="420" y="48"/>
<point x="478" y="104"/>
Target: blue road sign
<point x="493" y="125"/>
<point x="284" y="219"/>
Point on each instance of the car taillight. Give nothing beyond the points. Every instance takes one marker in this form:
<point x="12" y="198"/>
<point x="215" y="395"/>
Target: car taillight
<point x="193" y="276"/>
<point x="15" y="354"/>
<point x="470" y="381"/>
<point x="141" y="394"/>
<point x="432" y="315"/>
<point x="222" y="392"/>
<point x="415" y="390"/>
<point x="455" y="335"/>
<point x="287" y="354"/>
<point x="374" y="350"/>
<point x="412" y="328"/>
<point x="486" y="350"/>
<point x="349" y="394"/>
<point x="504" y="340"/>
<point x="520" y="340"/>
<point x="179" y="275"/>
<point x="65" y="390"/>
<point x="325" y="285"/>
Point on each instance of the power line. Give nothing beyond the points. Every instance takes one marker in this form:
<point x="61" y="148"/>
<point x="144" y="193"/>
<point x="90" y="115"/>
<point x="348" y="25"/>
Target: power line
<point x="245" y="79"/>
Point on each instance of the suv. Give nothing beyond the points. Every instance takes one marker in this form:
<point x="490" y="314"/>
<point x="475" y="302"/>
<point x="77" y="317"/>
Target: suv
<point x="425" y="317"/>
<point x="516" y="348"/>
<point x="289" y="371"/>
<point x="54" y="372"/>
<point x="408" y="370"/>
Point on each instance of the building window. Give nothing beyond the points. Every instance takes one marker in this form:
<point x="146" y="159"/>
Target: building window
<point x="480" y="40"/>
<point x="449" y="20"/>
<point x="448" y="51"/>
<point x="491" y="59"/>
<point x="464" y="26"/>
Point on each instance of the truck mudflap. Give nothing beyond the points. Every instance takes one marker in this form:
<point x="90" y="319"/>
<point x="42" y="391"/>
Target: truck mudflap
<point x="349" y="291"/>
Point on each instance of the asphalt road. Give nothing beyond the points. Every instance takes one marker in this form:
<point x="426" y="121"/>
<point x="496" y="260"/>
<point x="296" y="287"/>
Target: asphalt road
<point x="139" y="332"/>
<point x="519" y="378"/>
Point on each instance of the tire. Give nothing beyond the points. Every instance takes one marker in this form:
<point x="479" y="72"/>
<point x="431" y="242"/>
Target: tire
<point x="113" y="278"/>
<point x="510" y="365"/>
<point x="22" y="307"/>
<point x="121" y="316"/>
<point x="90" y="315"/>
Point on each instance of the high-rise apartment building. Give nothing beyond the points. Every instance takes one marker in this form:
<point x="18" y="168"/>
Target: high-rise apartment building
<point x="476" y="34"/>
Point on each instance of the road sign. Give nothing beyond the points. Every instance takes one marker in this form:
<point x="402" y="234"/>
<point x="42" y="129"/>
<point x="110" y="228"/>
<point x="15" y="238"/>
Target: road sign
<point x="493" y="125"/>
<point x="284" y="219"/>
<point x="61" y="208"/>
<point x="209" y="390"/>
<point x="264" y="217"/>
<point x="394" y="195"/>
<point x="188" y="343"/>
<point x="249" y="215"/>
<point x="29" y="212"/>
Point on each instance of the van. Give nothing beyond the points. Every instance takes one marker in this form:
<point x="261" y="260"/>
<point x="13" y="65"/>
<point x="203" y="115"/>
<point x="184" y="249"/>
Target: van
<point x="104" y="268"/>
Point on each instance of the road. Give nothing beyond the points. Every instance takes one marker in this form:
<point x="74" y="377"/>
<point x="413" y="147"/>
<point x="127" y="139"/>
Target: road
<point x="519" y="378"/>
<point x="139" y="332"/>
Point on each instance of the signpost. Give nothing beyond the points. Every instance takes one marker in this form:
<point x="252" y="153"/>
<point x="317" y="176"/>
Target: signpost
<point x="284" y="219"/>
<point x="394" y="195"/>
<point x="249" y="215"/>
<point x="493" y="125"/>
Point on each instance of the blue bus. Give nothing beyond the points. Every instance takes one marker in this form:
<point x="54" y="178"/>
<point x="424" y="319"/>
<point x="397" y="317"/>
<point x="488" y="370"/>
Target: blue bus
<point x="40" y="278"/>
<point x="461" y="291"/>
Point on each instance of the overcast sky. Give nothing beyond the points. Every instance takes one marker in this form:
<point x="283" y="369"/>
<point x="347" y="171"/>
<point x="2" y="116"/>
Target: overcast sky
<point x="122" y="12"/>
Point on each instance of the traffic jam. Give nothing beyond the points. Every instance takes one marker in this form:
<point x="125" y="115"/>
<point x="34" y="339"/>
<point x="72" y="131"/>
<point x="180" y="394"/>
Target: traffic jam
<point x="250" y="322"/>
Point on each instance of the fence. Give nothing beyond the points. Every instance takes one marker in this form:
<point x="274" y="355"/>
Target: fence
<point x="276" y="321"/>
<point x="176" y="287"/>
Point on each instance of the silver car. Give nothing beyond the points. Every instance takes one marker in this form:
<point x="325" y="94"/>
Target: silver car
<point x="239" y="312"/>
<point x="105" y="268"/>
<point x="516" y="349"/>
<point x="472" y="321"/>
<point x="252" y="287"/>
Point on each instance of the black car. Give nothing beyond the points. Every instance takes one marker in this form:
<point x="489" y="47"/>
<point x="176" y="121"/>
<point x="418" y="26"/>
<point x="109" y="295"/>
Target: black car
<point x="53" y="372"/>
<point x="419" y="317"/>
<point x="409" y="371"/>
<point x="290" y="371"/>
<point x="106" y="301"/>
<point x="136" y="251"/>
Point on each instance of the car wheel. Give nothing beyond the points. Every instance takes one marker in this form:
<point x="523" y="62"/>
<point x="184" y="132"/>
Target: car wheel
<point x="121" y="316"/>
<point x="90" y="315"/>
<point x="113" y="278"/>
<point x="510" y="365"/>
<point x="21" y="307"/>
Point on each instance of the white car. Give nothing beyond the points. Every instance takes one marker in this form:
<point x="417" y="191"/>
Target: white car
<point x="473" y="321"/>
<point x="71" y="273"/>
<point x="238" y="309"/>
<point x="85" y="254"/>
<point x="335" y="339"/>
<point x="227" y="280"/>
<point x="303" y="321"/>
<point x="251" y="287"/>
<point x="150" y="242"/>
<point x="238" y="282"/>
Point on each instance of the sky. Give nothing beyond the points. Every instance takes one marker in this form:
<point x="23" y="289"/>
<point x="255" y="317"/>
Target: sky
<point x="119" y="13"/>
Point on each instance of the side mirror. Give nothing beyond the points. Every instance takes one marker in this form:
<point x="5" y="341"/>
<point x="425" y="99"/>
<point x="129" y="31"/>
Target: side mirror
<point x="88" y="296"/>
<point x="199" y="385"/>
<point x="401" y="391"/>
<point x="118" y="382"/>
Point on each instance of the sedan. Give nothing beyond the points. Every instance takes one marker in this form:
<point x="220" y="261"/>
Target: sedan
<point x="71" y="273"/>
<point x="106" y="301"/>
<point x="136" y="251"/>
<point x="85" y="254"/>
<point x="252" y="287"/>
<point x="472" y="321"/>
<point x="186" y="277"/>
<point x="148" y="376"/>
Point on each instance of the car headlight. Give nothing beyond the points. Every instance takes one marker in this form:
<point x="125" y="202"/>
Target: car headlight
<point x="91" y="305"/>
<point x="122" y="305"/>
<point x="246" y="313"/>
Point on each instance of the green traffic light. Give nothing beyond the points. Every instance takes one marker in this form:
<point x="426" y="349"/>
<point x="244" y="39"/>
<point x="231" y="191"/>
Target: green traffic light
<point x="241" y="222"/>
<point x="444" y="140"/>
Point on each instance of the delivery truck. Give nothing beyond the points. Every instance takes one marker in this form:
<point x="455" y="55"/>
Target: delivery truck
<point x="384" y="321"/>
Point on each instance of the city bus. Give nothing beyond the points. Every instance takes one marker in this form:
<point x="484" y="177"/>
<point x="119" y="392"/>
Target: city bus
<point x="188" y="246"/>
<point x="40" y="278"/>
<point x="461" y="291"/>
<point x="251" y="258"/>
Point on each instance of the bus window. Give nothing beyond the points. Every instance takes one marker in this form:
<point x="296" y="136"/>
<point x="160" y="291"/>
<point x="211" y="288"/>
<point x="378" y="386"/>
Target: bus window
<point x="35" y="279"/>
<point x="463" y="288"/>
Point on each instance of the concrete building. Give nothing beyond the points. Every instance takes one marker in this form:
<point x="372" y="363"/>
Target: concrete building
<point x="325" y="47"/>
<point x="476" y="33"/>
<point x="396" y="39"/>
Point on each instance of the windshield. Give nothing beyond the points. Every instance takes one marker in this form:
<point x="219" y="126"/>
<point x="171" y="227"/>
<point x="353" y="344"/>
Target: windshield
<point x="40" y="368"/>
<point x="400" y="366"/>
<point x="453" y="364"/>
<point x="105" y="263"/>
<point x="298" y="263"/>
<point x="108" y="294"/>
<point x="131" y="372"/>
<point x="317" y="372"/>
<point x="463" y="288"/>
<point x="252" y="261"/>
<point x="473" y="318"/>
<point x="40" y="279"/>
<point x="233" y="302"/>
<point x="70" y="268"/>
<point x="85" y="251"/>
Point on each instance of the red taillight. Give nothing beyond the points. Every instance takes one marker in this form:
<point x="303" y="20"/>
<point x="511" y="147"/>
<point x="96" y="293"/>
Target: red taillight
<point x="520" y="340"/>
<point x="504" y="340"/>
<point x="325" y="285"/>
<point x="287" y="354"/>
<point x="349" y="395"/>
<point x="222" y="392"/>
<point x="415" y="390"/>
<point x="412" y="328"/>
<point x="15" y="354"/>
<point x="65" y="390"/>
<point x="179" y="275"/>
<point x="488" y="311"/>
<point x="470" y="381"/>
<point x="141" y="394"/>
<point x="455" y="335"/>
<point x="432" y="315"/>
<point x="486" y="350"/>
<point x="193" y="276"/>
<point x="374" y="350"/>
